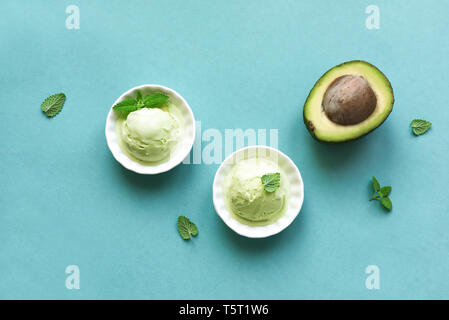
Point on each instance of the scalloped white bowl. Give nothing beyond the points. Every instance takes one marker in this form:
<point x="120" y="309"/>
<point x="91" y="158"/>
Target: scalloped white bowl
<point x="183" y="147"/>
<point x="296" y="197"/>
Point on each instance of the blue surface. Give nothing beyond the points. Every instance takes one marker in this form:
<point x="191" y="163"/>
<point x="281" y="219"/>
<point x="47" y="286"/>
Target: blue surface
<point x="240" y="64"/>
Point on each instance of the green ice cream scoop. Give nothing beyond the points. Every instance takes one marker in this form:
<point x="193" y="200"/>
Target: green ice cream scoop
<point x="245" y="193"/>
<point x="150" y="134"/>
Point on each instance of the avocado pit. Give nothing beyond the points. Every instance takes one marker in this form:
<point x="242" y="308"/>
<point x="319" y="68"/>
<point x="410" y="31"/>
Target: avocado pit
<point x="349" y="100"/>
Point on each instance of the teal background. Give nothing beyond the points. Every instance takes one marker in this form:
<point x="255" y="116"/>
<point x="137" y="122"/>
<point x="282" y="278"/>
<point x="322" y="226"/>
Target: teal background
<point x="240" y="64"/>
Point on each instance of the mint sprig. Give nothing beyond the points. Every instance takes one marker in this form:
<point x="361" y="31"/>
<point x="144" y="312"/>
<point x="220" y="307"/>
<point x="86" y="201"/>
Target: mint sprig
<point x="155" y="100"/>
<point x="271" y="181"/>
<point x="53" y="104"/>
<point x="186" y="228"/>
<point x="152" y="100"/>
<point x="420" y="126"/>
<point x="381" y="194"/>
<point x="126" y="106"/>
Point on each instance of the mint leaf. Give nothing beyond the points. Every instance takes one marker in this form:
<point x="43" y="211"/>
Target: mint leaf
<point x="138" y="95"/>
<point x="376" y="185"/>
<point x="385" y="191"/>
<point x="53" y="104"/>
<point x="126" y="106"/>
<point x="420" y="126"/>
<point x="139" y="100"/>
<point x="186" y="228"/>
<point x="381" y="194"/>
<point x="386" y="202"/>
<point x="155" y="100"/>
<point x="271" y="182"/>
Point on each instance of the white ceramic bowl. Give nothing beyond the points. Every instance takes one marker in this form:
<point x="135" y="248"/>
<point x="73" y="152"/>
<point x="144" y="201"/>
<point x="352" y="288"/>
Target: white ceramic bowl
<point x="181" y="151"/>
<point x="295" y="200"/>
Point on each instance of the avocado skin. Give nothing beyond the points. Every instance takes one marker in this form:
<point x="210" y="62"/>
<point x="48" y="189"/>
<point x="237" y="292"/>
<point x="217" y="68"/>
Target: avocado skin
<point x="309" y="124"/>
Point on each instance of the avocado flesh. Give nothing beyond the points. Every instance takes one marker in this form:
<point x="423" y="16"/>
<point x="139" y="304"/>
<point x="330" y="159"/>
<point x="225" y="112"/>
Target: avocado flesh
<point x="319" y="123"/>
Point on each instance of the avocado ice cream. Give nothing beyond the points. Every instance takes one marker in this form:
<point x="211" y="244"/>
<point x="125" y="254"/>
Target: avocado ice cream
<point x="246" y="197"/>
<point x="150" y="134"/>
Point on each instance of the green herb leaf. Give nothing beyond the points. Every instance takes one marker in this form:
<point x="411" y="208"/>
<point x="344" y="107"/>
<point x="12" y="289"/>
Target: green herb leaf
<point x="140" y="104"/>
<point x="385" y="191"/>
<point x="376" y="185"/>
<point x="271" y="182"/>
<point x="126" y="106"/>
<point x="186" y="228"/>
<point x="155" y="100"/>
<point x="138" y="95"/>
<point x="420" y="126"/>
<point x="386" y="202"/>
<point x="53" y="104"/>
<point x="381" y="194"/>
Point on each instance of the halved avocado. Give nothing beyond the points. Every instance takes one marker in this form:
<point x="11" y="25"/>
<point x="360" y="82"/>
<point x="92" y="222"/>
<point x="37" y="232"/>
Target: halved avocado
<point x="347" y="102"/>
